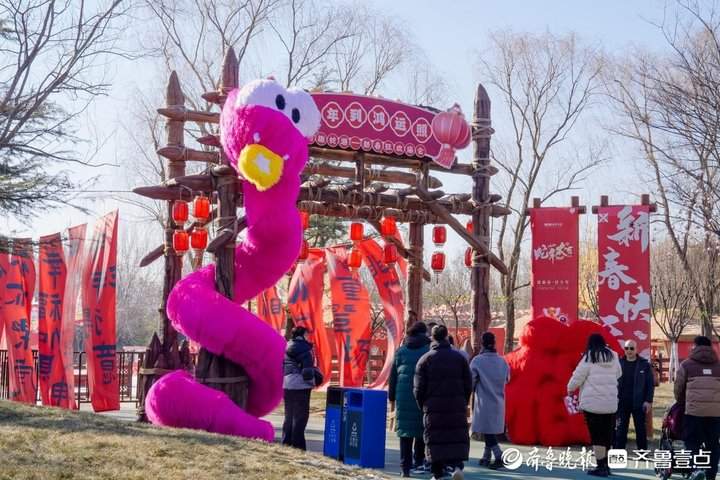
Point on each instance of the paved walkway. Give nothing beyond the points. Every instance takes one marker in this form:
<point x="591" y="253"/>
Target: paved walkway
<point x="314" y="436"/>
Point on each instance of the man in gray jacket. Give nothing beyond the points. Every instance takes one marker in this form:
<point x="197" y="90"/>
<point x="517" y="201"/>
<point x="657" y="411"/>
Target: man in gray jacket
<point x="697" y="385"/>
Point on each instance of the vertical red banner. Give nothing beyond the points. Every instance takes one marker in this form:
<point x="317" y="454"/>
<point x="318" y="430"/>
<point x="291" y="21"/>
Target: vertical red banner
<point x="270" y="309"/>
<point x="391" y="293"/>
<point x="23" y="251"/>
<point x="75" y="258"/>
<point x="14" y="314"/>
<point x="555" y="268"/>
<point x="305" y="304"/>
<point x="99" y="276"/>
<point x="54" y="389"/>
<point x="351" y="318"/>
<point x="624" y="273"/>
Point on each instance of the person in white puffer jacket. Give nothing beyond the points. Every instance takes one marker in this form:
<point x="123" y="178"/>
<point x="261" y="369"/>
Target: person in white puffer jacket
<point x="596" y="376"/>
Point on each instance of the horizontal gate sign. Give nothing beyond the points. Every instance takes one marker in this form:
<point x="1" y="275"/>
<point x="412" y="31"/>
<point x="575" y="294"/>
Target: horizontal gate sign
<point x="369" y="124"/>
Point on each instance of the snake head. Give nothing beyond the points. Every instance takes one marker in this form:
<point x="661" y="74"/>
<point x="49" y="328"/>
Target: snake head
<point x="265" y="129"/>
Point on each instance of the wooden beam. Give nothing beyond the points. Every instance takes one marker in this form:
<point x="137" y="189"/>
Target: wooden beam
<point x="371" y="174"/>
<point x="180" y="153"/>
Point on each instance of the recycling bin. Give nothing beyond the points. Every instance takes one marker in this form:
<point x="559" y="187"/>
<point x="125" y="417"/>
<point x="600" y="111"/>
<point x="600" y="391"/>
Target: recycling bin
<point x="332" y="443"/>
<point x="364" y="424"/>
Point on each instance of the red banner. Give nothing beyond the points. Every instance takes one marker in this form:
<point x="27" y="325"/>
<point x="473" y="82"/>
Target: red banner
<point x="270" y="309"/>
<point x="75" y="258"/>
<point x="305" y="304"/>
<point x="13" y="312"/>
<point x="624" y="273"/>
<point x="23" y="251"/>
<point x="99" y="275"/>
<point x="555" y="269"/>
<point x="351" y="318"/>
<point x="391" y="294"/>
<point x="54" y="389"/>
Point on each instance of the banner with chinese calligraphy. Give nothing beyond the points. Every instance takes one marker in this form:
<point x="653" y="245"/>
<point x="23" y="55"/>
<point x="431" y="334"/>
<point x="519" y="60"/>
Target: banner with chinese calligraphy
<point x="270" y="309"/>
<point x="351" y="318"/>
<point x="54" y="389"/>
<point x="13" y="313"/>
<point x="391" y="294"/>
<point x="305" y="305"/>
<point x="98" y="293"/>
<point x="370" y="124"/>
<point x="23" y="251"/>
<point x="624" y="273"/>
<point x="75" y="259"/>
<point x="555" y="269"/>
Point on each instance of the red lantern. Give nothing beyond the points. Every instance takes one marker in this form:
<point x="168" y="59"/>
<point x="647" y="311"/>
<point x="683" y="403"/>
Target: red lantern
<point x="180" y="212"/>
<point x="201" y="208"/>
<point x="452" y="131"/>
<point x="304" y="251"/>
<point x="181" y="241"/>
<point x="469" y="226"/>
<point x="199" y="239"/>
<point x="355" y="260"/>
<point x="305" y="220"/>
<point x="439" y="235"/>
<point x="388" y="227"/>
<point x="390" y="254"/>
<point x="468" y="257"/>
<point x="437" y="262"/>
<point x="356" y="232"/>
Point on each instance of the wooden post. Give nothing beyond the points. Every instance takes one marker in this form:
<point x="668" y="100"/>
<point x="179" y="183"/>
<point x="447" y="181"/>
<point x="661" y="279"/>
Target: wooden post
<point x="213" y="370"/>
<point x="415" y="263"/>
<point x="163" y="356"/>
<point x="480" y="274"/>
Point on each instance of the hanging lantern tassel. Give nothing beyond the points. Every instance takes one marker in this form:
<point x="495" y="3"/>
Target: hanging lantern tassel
<point x="356" y="232"/>
<point x="199" y="239"/>
<point x="439" y="235"/>
<point x="181" y="242"/>
<point x="437" y="262"/>
<point x="355" y="260"/>
<point x="390" y="254"/>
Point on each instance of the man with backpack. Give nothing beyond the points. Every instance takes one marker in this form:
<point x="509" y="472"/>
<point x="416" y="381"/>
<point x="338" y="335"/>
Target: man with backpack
<point x="697" y="386"/>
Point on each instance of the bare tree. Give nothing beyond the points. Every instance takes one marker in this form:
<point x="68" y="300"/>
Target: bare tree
<point x="51" y="59"/>
<point x="669" y="105"/>
<point x="450" y="291"/>
<point x="546" y="83"/>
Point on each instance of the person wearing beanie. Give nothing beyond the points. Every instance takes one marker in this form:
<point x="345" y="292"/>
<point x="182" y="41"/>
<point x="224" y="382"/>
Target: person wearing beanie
<point x="408" y="417"/>
<point x="442" y="389"/>
<point x="490" y="374"/>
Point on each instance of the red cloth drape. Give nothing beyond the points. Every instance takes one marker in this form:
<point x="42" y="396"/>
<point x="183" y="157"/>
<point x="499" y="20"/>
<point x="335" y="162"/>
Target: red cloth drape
<point x="351" y="318"/>
<point x="99" y="298"/>
<point x="270" y="309"/>
<point x="54" y="389"/>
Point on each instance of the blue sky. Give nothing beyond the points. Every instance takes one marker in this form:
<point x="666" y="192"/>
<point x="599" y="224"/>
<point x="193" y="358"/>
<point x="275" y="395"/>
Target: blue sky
<point x="451" y="34"/>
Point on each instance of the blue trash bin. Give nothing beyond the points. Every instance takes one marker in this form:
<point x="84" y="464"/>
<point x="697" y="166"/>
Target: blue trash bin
<point x="364" y="427"/>
<point x="333" y="444"/>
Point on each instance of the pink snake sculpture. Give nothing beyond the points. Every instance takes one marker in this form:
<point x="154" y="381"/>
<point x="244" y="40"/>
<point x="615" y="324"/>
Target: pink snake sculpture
<point x="264" y="130"/>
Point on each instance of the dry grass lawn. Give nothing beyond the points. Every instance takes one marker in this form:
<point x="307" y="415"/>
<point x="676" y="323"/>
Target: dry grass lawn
<point x="47" y="443"/>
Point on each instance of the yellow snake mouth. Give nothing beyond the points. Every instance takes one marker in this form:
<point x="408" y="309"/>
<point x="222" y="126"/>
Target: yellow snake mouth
<point x="260" y="166"/>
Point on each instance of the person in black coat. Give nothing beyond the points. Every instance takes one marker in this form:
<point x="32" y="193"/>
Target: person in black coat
<point x="442" y="389"/>
<point x="298" y="382"/>
<point x="636" y="388"/>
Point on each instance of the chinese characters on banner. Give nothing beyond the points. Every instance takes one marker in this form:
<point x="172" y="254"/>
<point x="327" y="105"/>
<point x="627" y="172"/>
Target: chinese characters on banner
<point x="270" y="309"/>
<point x="351" y="318"/>
<point x="554" y="254"/>
<point x="98" y="293"/>
<point x="391" y="295"/>
<point x="624" y="273"/>
<point x="54" y="388"/>
<point x="305" y="305"/>
<point x="14" y="315"/>
<point x="368" y="124"/>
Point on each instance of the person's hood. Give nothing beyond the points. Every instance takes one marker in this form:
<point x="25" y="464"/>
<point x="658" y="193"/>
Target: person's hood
<point x="704" y="354"/>
<point x="414" y="342"/>
<point x="298" y="346"/>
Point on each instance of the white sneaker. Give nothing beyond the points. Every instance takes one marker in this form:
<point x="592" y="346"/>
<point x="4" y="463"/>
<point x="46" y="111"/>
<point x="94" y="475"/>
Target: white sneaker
<point x="458" y="474"/>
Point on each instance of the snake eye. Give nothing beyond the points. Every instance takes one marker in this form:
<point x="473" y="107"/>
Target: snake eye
<point x="280" y="103"/>
<point x="295" y="115"/>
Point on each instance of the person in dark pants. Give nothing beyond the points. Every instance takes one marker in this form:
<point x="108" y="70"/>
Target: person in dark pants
<point x="442" y="389"/>
<point x="635" y="396"/>
<point x="409" y="421"/>
<point x="298" y="382"/>
<point x="697" y="386"/>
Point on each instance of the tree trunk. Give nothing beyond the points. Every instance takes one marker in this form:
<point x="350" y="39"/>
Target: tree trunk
<point x="674" y="361"/>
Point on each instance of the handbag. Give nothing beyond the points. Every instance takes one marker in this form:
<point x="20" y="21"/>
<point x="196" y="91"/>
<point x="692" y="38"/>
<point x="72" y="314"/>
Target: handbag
<point x="318" y="378"/>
